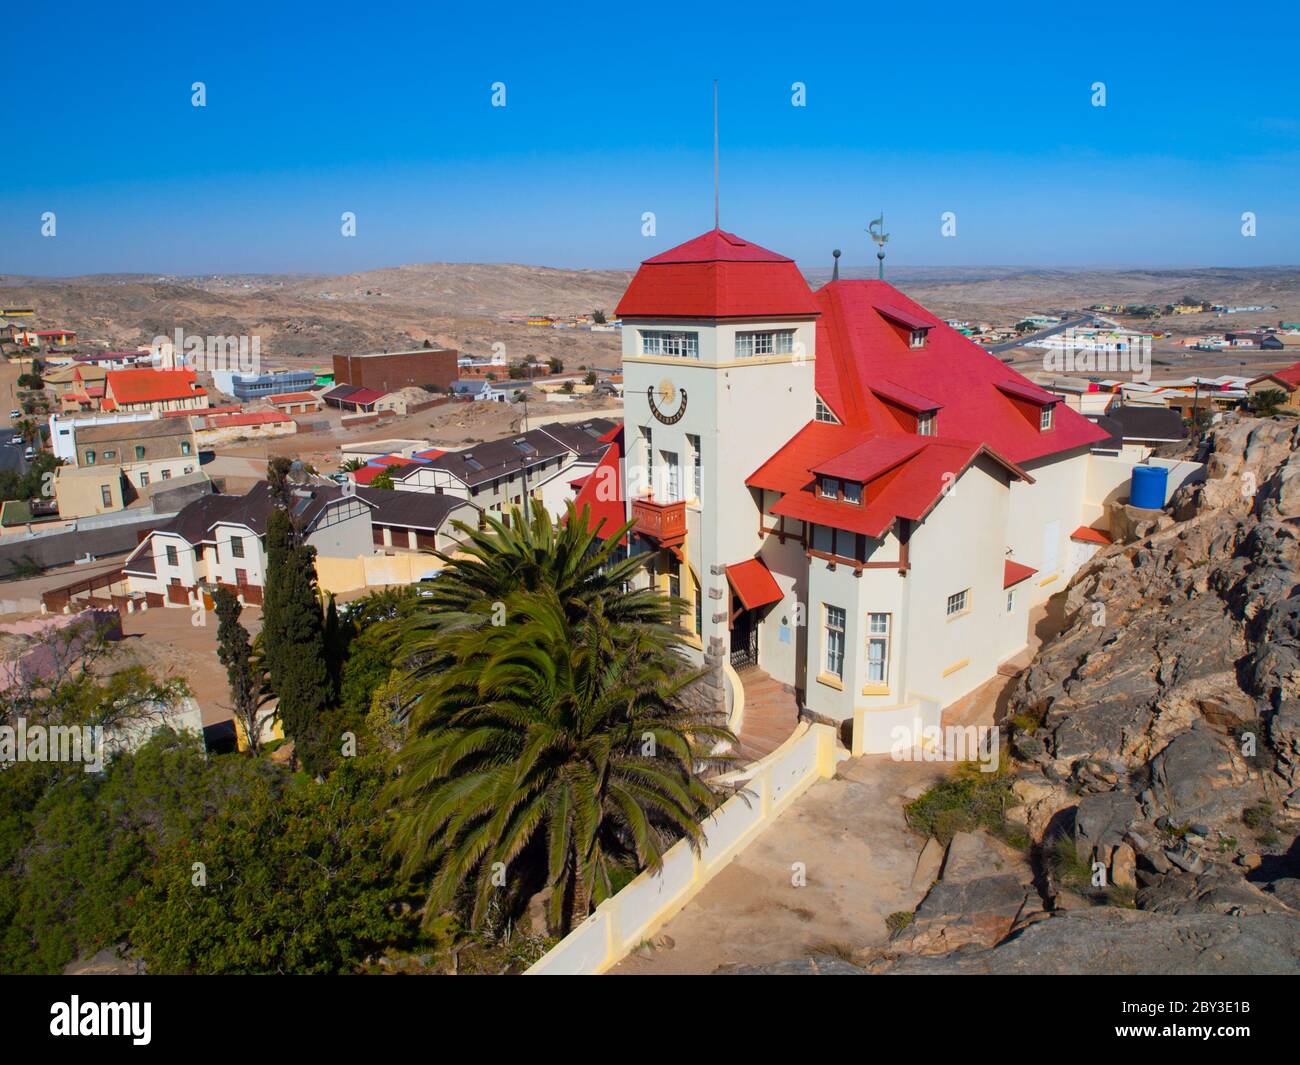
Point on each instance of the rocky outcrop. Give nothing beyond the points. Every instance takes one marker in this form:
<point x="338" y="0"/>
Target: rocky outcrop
<point x="1156" y="744"/>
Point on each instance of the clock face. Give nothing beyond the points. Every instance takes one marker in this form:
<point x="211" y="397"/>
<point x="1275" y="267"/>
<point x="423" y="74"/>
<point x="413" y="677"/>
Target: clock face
<point x="661" y="401"/>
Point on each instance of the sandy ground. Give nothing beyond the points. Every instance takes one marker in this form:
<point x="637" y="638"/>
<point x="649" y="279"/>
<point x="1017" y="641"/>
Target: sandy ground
<point x="859" y="855"/>
<point x="165" y="640"/>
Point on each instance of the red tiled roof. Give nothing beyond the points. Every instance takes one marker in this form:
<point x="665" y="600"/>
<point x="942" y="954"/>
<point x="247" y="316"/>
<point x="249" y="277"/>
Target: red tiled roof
<point x="56" y="332"/>
<point x="366" y="474"/>
<point x="905" y="317"/>
<point x="606" y="516"/>
<point x="389" y="460"/>
<point x="430" y="454"/>
<point x="152" y="386"/>
<point x="1029" y="392"/>
<point x="1092" y="536"/>
<point x="753" y="583"/>
<point x="717" y="275"/>
<point x="295" y="397"/>
<point x="1014" y="573"/>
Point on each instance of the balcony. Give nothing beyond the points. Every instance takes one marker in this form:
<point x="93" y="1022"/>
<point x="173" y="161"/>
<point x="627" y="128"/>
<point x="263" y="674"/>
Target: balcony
<point x="664" y="523"/>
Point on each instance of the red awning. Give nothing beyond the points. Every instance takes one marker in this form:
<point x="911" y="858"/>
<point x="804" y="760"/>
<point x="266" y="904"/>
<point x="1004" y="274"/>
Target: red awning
<point x="753" y="583"/>
<point x="1092" y="536"/>
<point x="1014" y="573"/>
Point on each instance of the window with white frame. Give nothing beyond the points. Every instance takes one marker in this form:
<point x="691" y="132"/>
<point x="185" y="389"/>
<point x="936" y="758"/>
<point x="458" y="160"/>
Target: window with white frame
<point x="878" y="648"/>
<point x="835" y="618"/>
<point x="958" y="602"/>
<point x="768" y="342"/>
<point x="925" y="424"/>
<point x="918" y="338"/>
<point x="829" y="487"/>
<point x="672" y="477"/>
<point x="693" y="443"/>
<point x="1044" y="419"/>
<point x="823" y="413"/>
<point x="671" y="343"/>
<point x="852" y="492"/>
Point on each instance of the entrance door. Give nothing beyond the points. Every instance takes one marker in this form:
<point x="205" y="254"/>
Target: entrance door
<point x="744" y="641"/>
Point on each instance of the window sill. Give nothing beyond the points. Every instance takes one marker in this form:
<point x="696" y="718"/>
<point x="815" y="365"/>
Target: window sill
<point x="876" y="689"/>
<point x="831" y="681"/>
<point x="959" y="614"/>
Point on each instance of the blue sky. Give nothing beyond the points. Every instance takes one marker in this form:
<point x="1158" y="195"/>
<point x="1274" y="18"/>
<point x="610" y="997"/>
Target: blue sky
<point x="385" y="110"/>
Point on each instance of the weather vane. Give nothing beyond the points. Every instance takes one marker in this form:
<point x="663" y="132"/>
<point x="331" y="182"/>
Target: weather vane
<point x="878" y="234"/>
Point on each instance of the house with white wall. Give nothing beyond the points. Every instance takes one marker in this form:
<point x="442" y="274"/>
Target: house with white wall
<point x="850" y="494"/>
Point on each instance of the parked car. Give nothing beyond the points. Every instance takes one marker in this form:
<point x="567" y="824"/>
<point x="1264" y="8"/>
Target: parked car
<point x="15" y="414"/>
<point x="424" y="586"/>
<point x="15" y="439"/>
<point x="30" y="453"/>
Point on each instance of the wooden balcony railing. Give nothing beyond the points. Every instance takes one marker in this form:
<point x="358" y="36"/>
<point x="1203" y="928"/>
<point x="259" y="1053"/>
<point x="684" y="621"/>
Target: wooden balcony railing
<point x="664" y="523"/>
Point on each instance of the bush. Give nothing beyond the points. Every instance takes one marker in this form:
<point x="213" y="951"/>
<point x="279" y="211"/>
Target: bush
<point x="966" y="800"/>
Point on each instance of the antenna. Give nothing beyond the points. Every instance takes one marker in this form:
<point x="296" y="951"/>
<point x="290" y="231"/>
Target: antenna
<point x="716" y="224"/>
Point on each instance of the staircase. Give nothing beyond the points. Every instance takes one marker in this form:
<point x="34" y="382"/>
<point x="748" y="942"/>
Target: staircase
<point x="771" y="715"/>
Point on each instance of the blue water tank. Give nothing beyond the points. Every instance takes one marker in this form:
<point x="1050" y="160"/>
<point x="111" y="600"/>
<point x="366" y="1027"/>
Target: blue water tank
<point x="1149" y="486"/>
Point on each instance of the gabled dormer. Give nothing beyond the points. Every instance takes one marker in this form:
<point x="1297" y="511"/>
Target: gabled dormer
<point x="911" y="328"/>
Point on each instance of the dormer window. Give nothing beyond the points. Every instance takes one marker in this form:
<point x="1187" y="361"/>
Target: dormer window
<point x="925" y="424"/>
<point x="1045" y="419"/>
<point x="829" y="487"/>
<point x="823" y="413"/>
<point x="918" y="338"/>
<point x="852" y="492"/>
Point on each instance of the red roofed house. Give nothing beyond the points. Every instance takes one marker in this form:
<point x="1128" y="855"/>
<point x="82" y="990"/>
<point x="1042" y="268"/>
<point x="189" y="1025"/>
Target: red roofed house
<point x="1285" y="380"/>
<point x="854" y="497"/>
<point x="160" y="390"/>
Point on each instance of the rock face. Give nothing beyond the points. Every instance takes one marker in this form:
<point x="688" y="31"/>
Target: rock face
<point x="1156" y="744"/>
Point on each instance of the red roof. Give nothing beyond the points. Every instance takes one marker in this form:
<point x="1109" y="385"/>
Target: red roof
<point x="606" y="516"/>
<point x="905" y="397"/>
<point x="431" y="454"/>
<point x="366" y="474"/>
<point x="1288" y="375"/>
<point x="753" y="583"/>
<point x="362" y="397"/>
<point x="295" y="397"/>
<point x="1092" y="536"/>
<point x="389" y="460"/>
<point x="858" y="351"/>
<point x="1014" y="573"/>
<point x="718" y="275"/>
<point x="231" y="421"/>
<point x="56" y="332"/>
<point x="152" y="386"/>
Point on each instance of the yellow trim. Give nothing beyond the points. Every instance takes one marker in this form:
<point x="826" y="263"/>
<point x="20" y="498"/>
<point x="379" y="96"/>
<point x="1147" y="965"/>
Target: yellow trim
<point x="876" y="689"/>
<point x="831" y="681"/>
<point x="956" y="666"/>
<point x="1048" y="580"/>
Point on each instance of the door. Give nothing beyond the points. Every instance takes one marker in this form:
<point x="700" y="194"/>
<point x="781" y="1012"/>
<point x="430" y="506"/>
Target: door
<point x="744" y="641"/>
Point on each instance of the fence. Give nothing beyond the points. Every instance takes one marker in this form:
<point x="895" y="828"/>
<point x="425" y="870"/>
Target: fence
<point x="620" y="923"/>
<point x="880" y="731"/>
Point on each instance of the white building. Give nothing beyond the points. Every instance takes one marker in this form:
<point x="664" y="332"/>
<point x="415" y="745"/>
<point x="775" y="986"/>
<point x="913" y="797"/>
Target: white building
<point x="850" y="495"/>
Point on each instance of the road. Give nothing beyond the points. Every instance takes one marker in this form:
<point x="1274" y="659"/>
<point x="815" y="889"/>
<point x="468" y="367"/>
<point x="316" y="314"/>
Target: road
<point x="1060" y="327"/>
<point x="11" y="455"/>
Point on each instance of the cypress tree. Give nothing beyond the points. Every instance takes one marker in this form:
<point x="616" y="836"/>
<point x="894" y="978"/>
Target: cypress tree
<point x="294" y="639"/>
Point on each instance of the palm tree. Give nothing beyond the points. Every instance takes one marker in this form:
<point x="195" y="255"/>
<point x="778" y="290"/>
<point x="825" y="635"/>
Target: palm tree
<point x="551" y="746"/>
<point x="548" y="735"/>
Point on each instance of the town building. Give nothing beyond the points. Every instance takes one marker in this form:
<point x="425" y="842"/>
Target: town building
<point x="254" y="386"/>
<point x="297" y="403"/>
<point x="848" y="493"/>
<point x="417" y="521"/>
<point x="116" y="464"/>
<point x="1285" y="380"/>
<point x="56" y="338"/>
<point x="156" y="390"/>
<point x="221" y="540"/>
<point x="353" y="398"/>
<point x="388" y="371"/>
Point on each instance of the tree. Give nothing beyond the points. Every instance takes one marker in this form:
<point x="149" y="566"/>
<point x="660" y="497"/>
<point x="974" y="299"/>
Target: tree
<point x="598" y="316"/>
<point x="548" y="731"/>
<point x="243" y="674"/>
<point x="590" y="379"/>
<point x="277" y="476"/>
<point x="561" y="753"/>
<point x="293" y="639"/>
<point x="352" y="465"/>
<point x="383" y="480"/>
<point x="1267" y="401"/>
<point x="555" y="365"/>
<point x="296" y="884"/>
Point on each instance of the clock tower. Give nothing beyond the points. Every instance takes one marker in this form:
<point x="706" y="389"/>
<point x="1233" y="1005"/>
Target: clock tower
<point x="719" y="346"/>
